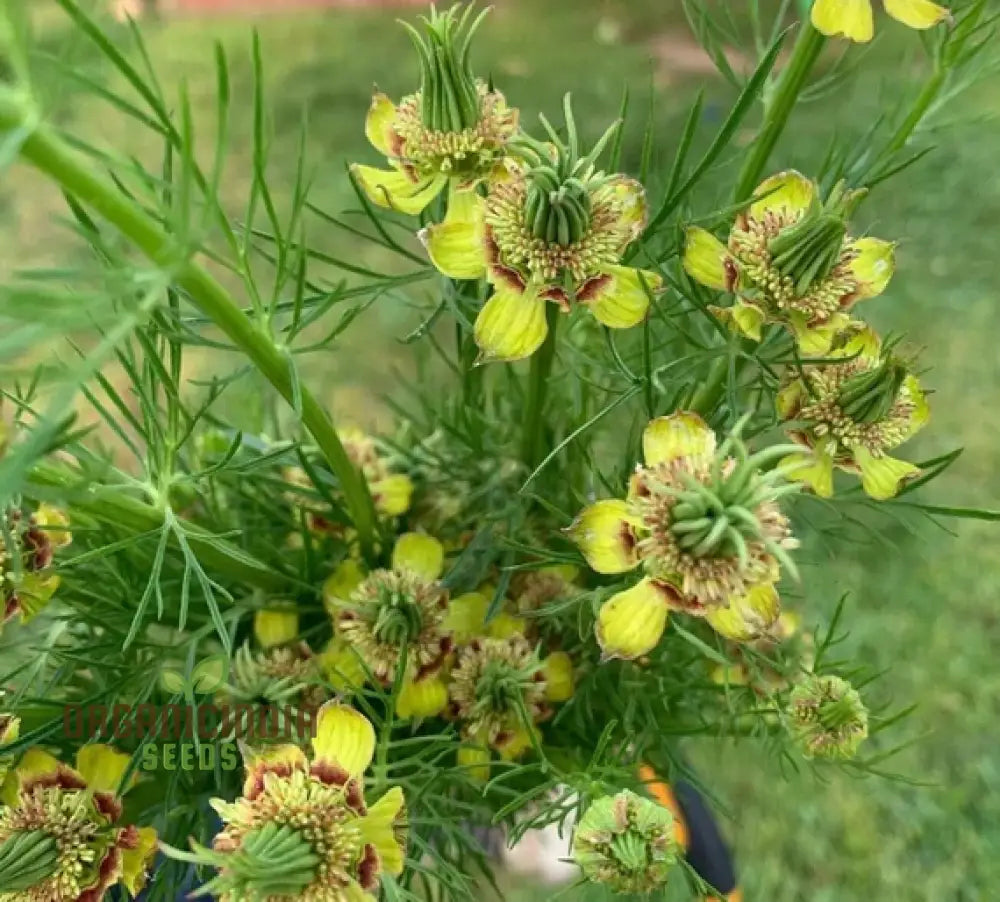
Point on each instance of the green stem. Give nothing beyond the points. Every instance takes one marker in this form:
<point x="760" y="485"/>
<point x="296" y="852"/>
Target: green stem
<point x="807" y="49"/>
<point x="708" y="395"/>
<point x="109" y="504"/>
<point x="538" y="386"/>
<point x="48" y="153"/>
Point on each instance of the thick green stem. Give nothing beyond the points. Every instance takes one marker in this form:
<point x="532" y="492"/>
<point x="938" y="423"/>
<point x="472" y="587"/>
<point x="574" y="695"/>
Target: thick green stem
<point x="48" y="153"/>
<point x="538" y="385"/>
<point x="707" y="396"/>
<point x="807" y="49"/>
<point x="110" y="504"/>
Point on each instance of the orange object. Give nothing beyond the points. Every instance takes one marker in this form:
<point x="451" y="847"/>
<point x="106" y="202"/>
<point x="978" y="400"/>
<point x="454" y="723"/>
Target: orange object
<point x="665" y="796"/>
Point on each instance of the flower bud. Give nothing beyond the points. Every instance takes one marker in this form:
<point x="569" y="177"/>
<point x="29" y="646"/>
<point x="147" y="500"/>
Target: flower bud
<point x="627" y="843"/>
<point x="276" y="626"/>
<point x="827" y="717"/>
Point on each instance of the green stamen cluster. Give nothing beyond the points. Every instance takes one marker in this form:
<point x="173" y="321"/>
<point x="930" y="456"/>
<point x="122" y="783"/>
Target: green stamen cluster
<point x="716" y="523"/>
<point x="627" y="843"/>
<point x="273" y="860"/>
<point x="558" y="204"/>
<point x="827" y="717"/>
<point x="277" y="676"/>
<point x="448" y="88"/>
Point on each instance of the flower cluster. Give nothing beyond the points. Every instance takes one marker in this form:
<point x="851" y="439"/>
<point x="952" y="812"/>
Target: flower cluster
<point x="703" y="521"/>
<point x="61" y="839"/>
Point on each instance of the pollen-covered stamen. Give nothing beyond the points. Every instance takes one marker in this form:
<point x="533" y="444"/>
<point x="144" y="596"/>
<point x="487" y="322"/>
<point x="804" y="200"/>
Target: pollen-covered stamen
<point x="495" y="684"/>
<point x="716" y="525"/>
<point x="861" y="403"/>
<point x="471" y="152"/>
<point x="799" y="261"/>
<point x="396" y="617"/>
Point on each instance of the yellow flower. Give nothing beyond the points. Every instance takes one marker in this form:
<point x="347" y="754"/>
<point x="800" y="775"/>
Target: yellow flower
<point x="854" y="19"/>
<point x="334" y="846"/>
<point x="849" y="415"/>
<point x="553" y="231"/>
<point x="27" y="588"/>
<point x="705" y="527"/>
<point x="70" y="817"/>
<point x="341" y="666"/>
<point x="749" y="617"/>
<point x="789" y="260"/>
<point x="397" y="617"/>
<point x="474" y="760"/>
<point x="453" y="133"/>
<point x="559" y="679"/>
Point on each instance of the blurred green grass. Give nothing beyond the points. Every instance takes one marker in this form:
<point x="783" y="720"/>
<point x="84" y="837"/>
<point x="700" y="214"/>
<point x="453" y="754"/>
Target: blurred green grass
<point x="928" y="611"/>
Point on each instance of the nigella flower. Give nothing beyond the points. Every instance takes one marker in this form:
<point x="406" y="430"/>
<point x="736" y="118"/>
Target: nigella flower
<point x="851" y="414"/>
<point x="27" y="582"/>
<point x="627" y="843"/>
<point x="302" y="828"/>
<point x="554" y="231"/>
<point x="451" y="133"/>
<point x="397" y="617"/>
<point x="704" y="524"/>
<point x="61" y="839"/>
<point x="855" y="19"/>
<point x="789" y="260"/>
<point x="498" y="691"/>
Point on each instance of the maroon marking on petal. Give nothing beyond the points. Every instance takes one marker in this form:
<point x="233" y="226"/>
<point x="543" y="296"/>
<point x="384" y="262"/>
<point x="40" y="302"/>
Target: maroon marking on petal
<point x="107" y="876"/>
<point x="557" y="296"/>
<point x="39" y="544"/>
<point x="254" y="784"/>
<point x="329" y="772"/>
<point x="490" y="247"/>
<point x="355" y="796"/>
<point x="544" y="712"/>
<point x="108" y="805"/>
<point x="396" y="143"/>
<point x="627" y="537"/>
<point x="368" y="868"/>
<point x="503" y="737"/>
<point x="129" y="838"/>
<point x="676" y="600"/>
<point x="63" y="778"/>
<point x="346" y="616"/>
<point x="410" y="171"/>
<point x="11" y="608"/>
<point x="593" y="288"/>
<point x="639" y="486"/>
<point x="447" y="644"/>
<point x="849" y="300"/>
<point x="732" y="273"/>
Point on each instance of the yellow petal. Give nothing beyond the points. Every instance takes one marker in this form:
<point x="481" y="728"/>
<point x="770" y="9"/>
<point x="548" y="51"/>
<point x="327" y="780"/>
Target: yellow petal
<point x="136" y="862"/>
<point x="339" y="585"/>
<point x="864" y="342"/>
<point x="34" y="592"/>
<point x="10" y="729"/>
<point x="55" y="522"/>
<point x="631" y="199"/>
<point x="419" y="553"/>
<point x="378" y="123"/>
<point x="916" y="13"/>
<point x="422" y="698"/>
<point x="516" y="742"/>
<point x="605" y="535"/>
<point x="466" y="616"/>
<point x="475" y="761"/>
<point x="921" y="409"/>
<point x="851" y="18"/>
<point x="505" y="625"/>
<point x="102" y="767"/>
<point x="787" y="194"/>
<point x="344" y="737"/>
<point x="394" y="190"/>
<point x="384" y="826"/>
<point x="748" y="318"/>
<point x="341" y="666"/>
<point x="511" y="325"/>
<point x="257" y="761"/>
<point x="558" y="670"/>
<point x="816" y="341"/>
<point x="631" y="623"/>
<point x="706" y="259"/>
<point x="873" y="265"/>
<point x="881" y="477"/>
<point x="789" y="398"/>
<point x="456" y="245"/>
<point x="749" y="617"/>
<point x="815" y="470"/>
<point x="681" y="434"/>
<point x="37" y="763"/>
<point x="392" y="495"/>
<point x="619" y="299"/>
<point x="276" y="626"/>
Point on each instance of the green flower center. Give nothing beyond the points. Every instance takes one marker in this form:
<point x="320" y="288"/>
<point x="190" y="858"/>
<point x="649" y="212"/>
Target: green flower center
<point x="27" y="858"/>
<point x="397" y="617"/>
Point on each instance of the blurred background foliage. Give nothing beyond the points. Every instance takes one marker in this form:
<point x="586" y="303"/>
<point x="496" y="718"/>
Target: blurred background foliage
<point x="928" y="611"/>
